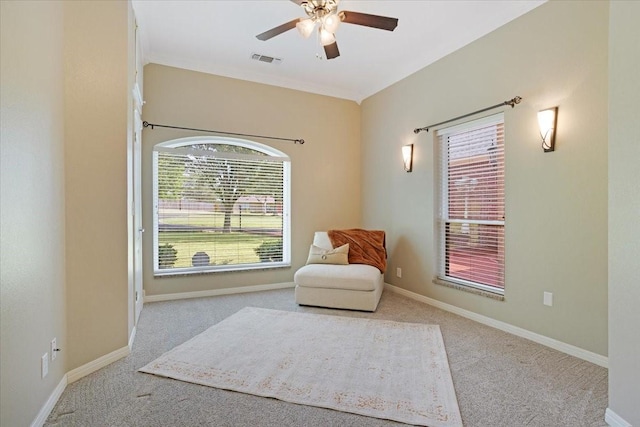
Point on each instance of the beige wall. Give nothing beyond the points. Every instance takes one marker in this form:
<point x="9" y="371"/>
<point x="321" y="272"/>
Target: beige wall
<point x="624" y="210"/>
<point x="97" y="119"/>
<point x="556" y="203"/>
<point x="325" y="170"/>
<point x="66" y="79"/>
<point x="32" y="298"/>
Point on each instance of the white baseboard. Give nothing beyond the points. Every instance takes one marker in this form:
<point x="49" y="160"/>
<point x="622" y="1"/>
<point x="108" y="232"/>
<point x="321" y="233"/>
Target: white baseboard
<point x="75" y="375"/>
<point x="615" y="420"/>
<point x="506" y="327"/>
<point x="107" y="359"/>
<point x="51" y="402"/>
<point x="78" y="373"/>
<point x="217" y="292"/>
<point x="99" y="363"/>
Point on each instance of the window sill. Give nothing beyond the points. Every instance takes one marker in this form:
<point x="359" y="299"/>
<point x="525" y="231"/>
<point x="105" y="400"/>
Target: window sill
<point x="470" y="289"/>
<point x="235" y="269"/>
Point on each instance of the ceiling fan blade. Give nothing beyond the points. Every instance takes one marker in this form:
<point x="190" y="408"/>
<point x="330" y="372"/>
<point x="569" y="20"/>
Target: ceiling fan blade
<point x="298" y="2"/>
<point x="375" y="21"/>
<point x="278" y="30"/>
<point x="331" y="50"/>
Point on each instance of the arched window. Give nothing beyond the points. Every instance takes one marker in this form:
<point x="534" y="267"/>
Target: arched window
<point x="220" y="204"/>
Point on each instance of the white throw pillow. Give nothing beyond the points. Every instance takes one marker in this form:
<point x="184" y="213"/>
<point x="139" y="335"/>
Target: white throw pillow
<point x="319" y="255"/>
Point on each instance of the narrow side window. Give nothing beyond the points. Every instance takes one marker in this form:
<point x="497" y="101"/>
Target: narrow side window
<point x="470" y="221"/>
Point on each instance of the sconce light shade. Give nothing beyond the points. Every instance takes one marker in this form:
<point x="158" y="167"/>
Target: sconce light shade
<point x="407" y="157"/>
<point x="547" y="120"/>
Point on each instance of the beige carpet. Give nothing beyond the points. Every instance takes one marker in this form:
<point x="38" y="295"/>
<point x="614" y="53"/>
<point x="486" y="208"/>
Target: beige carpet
<point x="383" y="369"/>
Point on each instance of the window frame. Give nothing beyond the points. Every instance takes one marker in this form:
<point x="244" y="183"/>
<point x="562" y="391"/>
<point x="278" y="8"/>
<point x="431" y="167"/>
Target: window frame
<point x="272" y="154"/>
<point x="442" y="217"/>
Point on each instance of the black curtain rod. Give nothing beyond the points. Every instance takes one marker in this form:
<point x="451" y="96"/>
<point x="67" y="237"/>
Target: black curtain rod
<point x="511" y="102"/>
<point x="295" y="141"/>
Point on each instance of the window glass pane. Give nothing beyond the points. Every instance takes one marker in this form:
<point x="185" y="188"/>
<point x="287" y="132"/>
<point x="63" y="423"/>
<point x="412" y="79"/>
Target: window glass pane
<point x="219" y="212"/>
<point x="475" y="253"/>
<point x="476" y="174"/>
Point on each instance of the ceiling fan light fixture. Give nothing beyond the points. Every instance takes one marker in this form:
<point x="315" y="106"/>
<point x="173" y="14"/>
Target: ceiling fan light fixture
<point x="305" y="27"/>
<point x="325" y="13"/>
<point x="326" y="38"/>
<point x="331" y="22"/>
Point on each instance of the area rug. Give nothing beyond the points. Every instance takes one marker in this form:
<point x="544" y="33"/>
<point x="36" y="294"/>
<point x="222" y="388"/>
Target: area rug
<point x="391" y="370"/>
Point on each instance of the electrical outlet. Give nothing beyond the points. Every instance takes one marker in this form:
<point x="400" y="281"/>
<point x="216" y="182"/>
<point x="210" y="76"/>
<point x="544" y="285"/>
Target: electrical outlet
<point x="399" y="272"/>
<point x="54" y="349"/>
<point x="547" y="299"/>
<point x="45" y="364"/>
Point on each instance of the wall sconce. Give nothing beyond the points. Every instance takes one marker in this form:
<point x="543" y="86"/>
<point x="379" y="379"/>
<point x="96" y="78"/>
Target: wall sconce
<point x="407" y="157"/>
<point x="547" y="120"/>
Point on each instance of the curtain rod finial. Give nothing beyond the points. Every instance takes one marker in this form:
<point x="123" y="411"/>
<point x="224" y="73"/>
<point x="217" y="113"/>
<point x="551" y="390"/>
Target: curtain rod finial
<point x="514" y="101"/>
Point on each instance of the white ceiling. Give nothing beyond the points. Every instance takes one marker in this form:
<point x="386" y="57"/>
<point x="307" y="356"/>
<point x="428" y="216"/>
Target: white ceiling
<point x="218" y="37"/>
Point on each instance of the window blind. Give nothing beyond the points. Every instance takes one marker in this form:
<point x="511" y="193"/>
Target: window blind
<point x="470" y="222"/>
<point x="218" y="207"/>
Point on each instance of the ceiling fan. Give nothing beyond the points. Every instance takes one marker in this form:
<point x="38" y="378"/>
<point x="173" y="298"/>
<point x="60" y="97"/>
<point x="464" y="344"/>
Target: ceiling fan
<point x="325" y="14"/>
